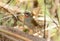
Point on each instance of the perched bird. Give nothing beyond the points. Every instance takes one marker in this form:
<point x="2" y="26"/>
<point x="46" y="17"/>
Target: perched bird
<point x="29" y="20"/>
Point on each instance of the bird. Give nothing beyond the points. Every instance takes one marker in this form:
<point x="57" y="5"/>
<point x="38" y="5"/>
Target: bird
<point x="29" y="20"/>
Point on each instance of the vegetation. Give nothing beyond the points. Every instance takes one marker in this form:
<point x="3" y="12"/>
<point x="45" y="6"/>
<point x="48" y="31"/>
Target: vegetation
<point x="34" y="16"/>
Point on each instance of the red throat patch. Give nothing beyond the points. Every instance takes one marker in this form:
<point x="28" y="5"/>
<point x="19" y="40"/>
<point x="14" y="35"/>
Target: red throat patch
<point x="26" y="16"/>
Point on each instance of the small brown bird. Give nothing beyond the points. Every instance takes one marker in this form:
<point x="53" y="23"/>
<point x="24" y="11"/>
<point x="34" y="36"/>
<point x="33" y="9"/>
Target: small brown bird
<point x="29" y="21"/>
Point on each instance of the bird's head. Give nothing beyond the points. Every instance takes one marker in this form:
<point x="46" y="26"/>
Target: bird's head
<point x="27" y="14"/>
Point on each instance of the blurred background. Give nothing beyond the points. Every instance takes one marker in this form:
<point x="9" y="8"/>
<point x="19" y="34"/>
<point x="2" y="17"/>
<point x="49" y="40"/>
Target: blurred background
<point x="39" y="18"/>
